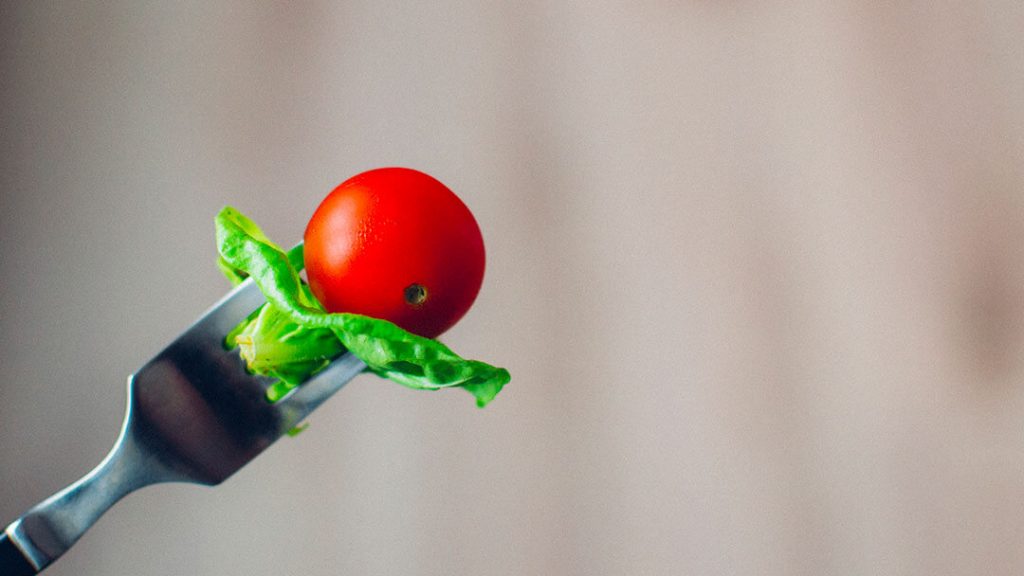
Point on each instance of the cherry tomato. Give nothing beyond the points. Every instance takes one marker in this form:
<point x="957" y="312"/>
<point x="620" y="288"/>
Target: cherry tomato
<point x="395" y="243"/>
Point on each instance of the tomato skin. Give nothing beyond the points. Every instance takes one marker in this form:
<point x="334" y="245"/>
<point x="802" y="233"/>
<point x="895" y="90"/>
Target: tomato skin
<point x="395" y="243"/>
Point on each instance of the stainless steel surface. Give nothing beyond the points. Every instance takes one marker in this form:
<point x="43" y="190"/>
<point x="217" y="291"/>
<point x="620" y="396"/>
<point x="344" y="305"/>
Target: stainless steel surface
<point x="194" y="415"/>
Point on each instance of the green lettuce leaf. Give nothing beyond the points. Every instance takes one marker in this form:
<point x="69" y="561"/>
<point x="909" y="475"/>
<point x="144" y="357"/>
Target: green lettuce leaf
<point x="292" y="337"/>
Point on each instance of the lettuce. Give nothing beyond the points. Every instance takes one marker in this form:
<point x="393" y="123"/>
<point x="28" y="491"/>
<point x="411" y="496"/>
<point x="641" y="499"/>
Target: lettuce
<point x="292" y="337"/>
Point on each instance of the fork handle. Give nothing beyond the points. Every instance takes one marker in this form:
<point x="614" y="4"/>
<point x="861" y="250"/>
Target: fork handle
<point x="12" y="561"/>
<point x="46" y="531"/>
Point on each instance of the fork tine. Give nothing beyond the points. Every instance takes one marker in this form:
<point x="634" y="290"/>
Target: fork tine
<point x="313" y="392"/>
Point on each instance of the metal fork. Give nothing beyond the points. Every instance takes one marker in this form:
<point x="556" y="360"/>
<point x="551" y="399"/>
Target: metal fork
<point x="194" y="415"/>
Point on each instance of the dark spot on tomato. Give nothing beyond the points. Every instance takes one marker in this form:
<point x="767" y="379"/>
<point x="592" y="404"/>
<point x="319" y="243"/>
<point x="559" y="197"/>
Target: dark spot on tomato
<point x="415" y="294"/>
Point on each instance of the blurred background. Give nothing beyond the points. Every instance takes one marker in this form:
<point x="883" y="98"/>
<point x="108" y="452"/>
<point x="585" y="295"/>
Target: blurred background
<point x="757" y="269"/>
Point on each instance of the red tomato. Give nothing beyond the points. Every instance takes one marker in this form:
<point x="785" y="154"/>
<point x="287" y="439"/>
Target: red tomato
<point x="396" y="244"/>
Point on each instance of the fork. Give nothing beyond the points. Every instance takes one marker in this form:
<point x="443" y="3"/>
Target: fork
<point x="194" y="414"/>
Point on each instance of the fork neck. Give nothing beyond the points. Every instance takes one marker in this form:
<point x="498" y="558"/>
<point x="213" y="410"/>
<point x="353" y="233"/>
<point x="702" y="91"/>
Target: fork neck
<point x="50" y="528"/>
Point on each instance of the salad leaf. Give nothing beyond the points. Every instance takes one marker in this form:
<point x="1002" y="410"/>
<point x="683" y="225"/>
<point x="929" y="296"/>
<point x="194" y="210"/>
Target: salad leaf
<point x="292" y="336"/>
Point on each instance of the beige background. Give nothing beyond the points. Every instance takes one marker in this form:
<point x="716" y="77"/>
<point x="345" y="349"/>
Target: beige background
<point x="757" y="269"/>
